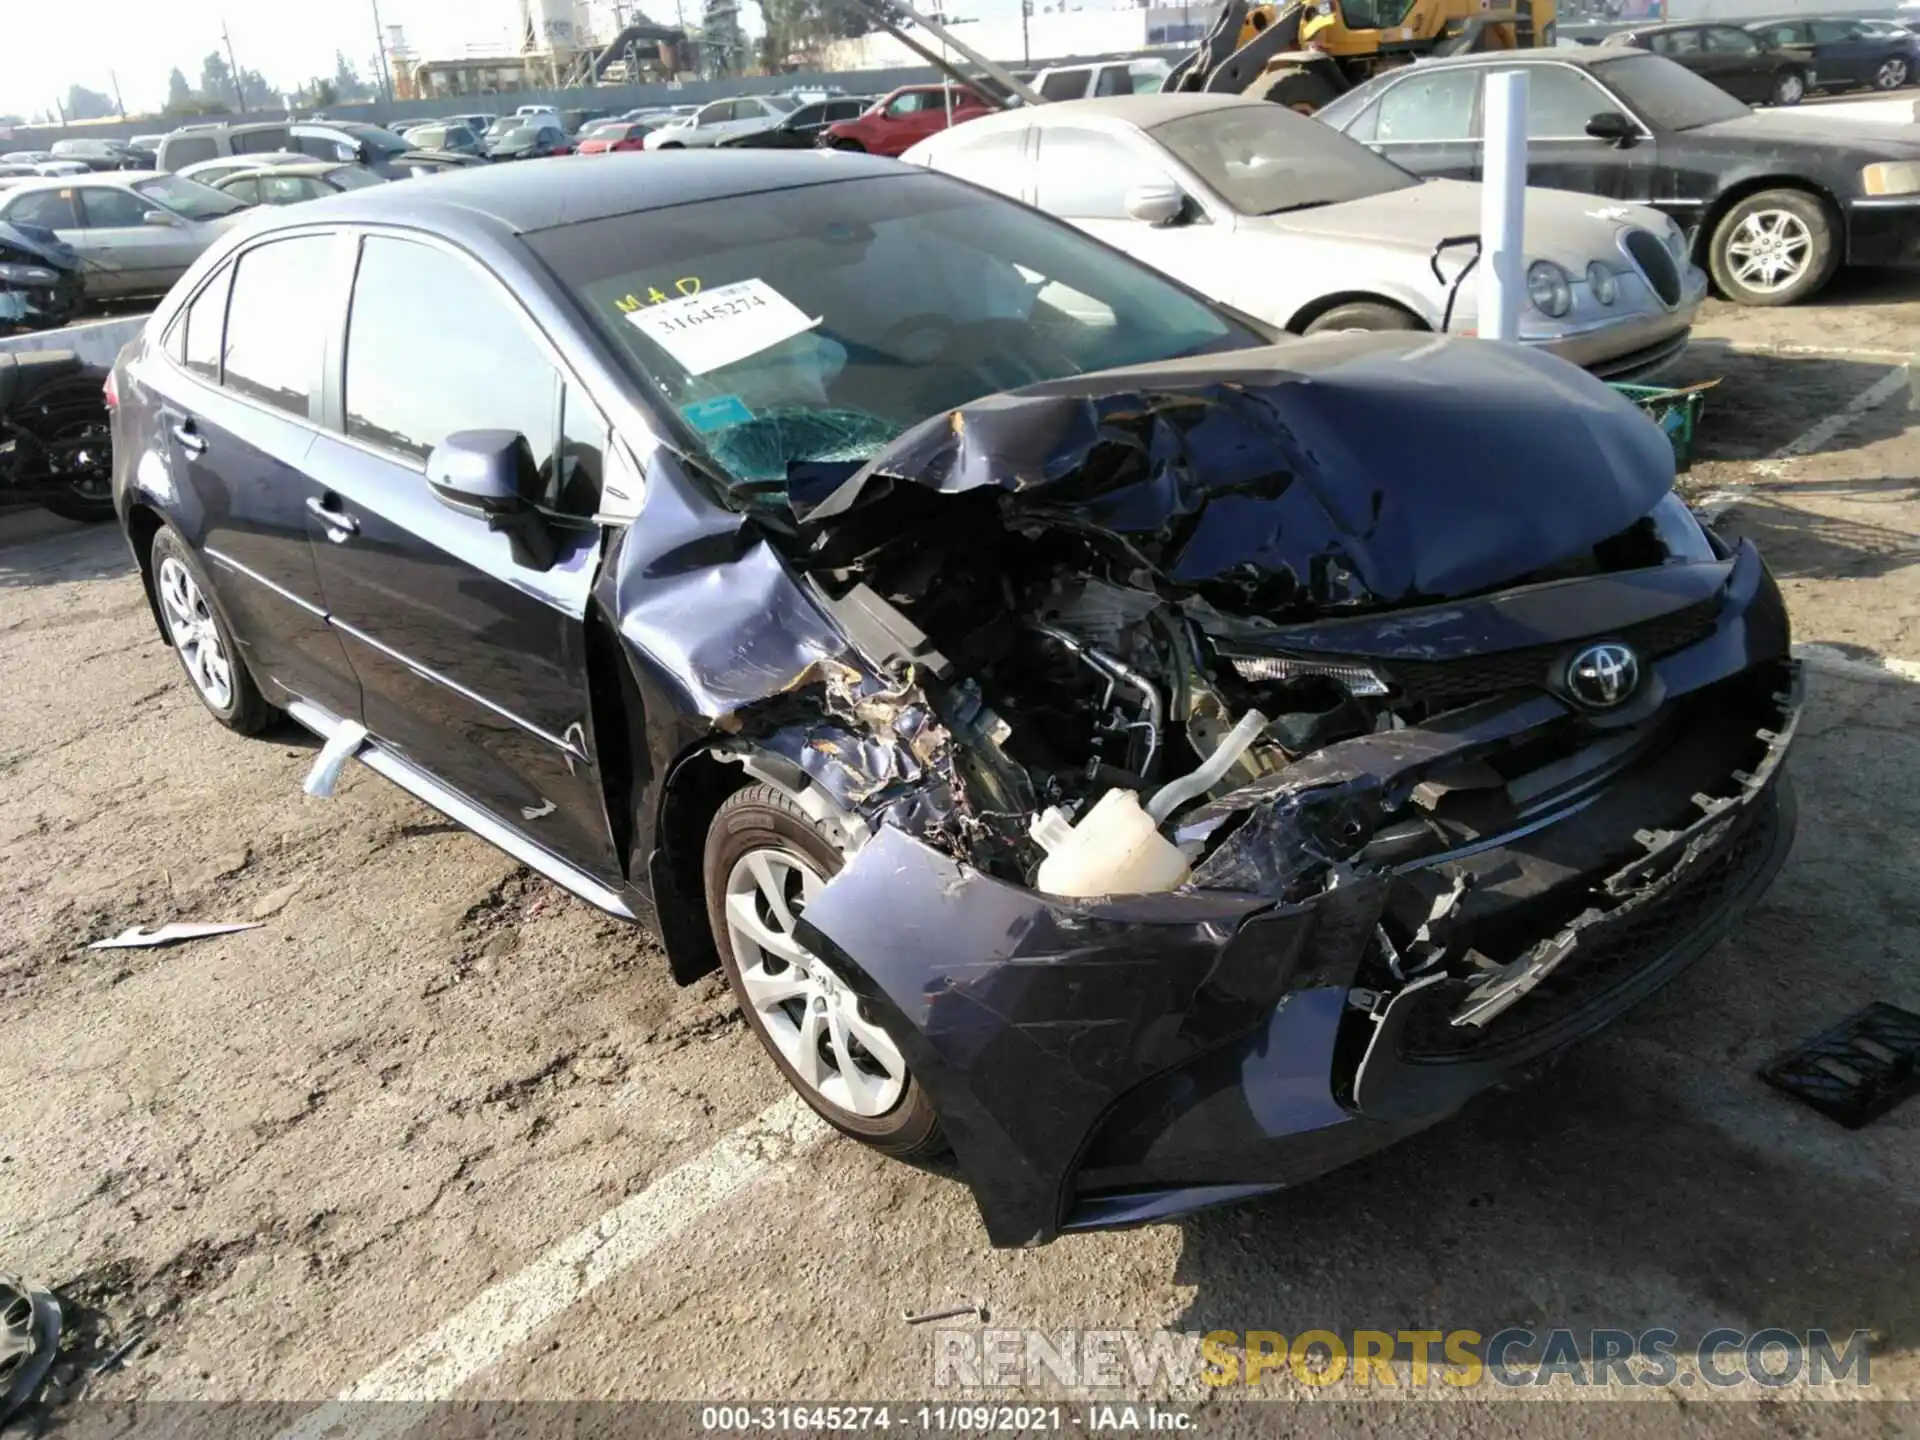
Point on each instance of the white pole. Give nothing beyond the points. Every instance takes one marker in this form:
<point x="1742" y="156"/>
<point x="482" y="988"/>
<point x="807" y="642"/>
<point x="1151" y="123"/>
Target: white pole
<point x="1503" y="194"/>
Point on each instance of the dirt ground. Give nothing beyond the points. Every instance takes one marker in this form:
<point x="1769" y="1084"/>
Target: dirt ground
<point x="346" y="1153"/>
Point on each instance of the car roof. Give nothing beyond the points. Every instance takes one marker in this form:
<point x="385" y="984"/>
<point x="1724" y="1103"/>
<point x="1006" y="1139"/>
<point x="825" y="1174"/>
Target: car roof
<point x="1584" y="56"/>
<point x="308" y="167"/>
<point x="529" y="198"/>
<point x="1143" y="112"/>
<point x="121" y="178"/>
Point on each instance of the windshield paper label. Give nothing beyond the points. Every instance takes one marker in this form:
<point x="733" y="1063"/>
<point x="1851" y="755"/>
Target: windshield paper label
<point x="717" y="327"/>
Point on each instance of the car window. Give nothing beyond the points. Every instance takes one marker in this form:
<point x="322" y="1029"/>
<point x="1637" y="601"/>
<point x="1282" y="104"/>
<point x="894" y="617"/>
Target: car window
<point x="277" y="322"/>
<point x="713" y="114"/>
<point x="1437" y="106"/>
<point x="103" y="207"/>
<point x="1725" y="40"/>
<point x="1787" y="34"/>
<point x="1560" y="101"/>
<point x="246" y="188"/>
<point x="779" y="104"/>
<point x="910" y="103"/>
<point x="846" y="109"/>
<point x="573" y="485"/>
<point x="1064" y="85"/>
<point x="205" y="325"/>
<point x="50" y="208"/>
<point x="350" y="177"/>
<point x="1827" y="32"/>
<point x="320" y="147"/>
<point x="259" y="142"/>
<point x="1678" y="42"/>
<point x="1113" y="80"/>
<point x="1668" y="96"/>
<point x="807" y="116"/>
<point x="434" y="347"/>
<point x="427" y="137"/>
<point x="186" y="197"/>
<point x="285" y="189"/>
<point x="189" y="150"/>
<point x="843" y="311"/>
<point x="1084" y="175"/>
<point x="1263" y="159"/>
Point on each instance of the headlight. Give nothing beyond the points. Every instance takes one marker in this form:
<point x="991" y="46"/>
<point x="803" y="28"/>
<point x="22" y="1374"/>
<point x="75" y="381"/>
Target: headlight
<point x="1600" y="280"/>
<point x="1549" y="288"/>
<point x="1891" y="177"/>
<point x="1358" y="679"/>
<point x="28" y="275"/>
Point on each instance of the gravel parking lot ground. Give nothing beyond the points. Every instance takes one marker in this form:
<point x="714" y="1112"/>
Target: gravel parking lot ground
<point x="437" y="1129"/>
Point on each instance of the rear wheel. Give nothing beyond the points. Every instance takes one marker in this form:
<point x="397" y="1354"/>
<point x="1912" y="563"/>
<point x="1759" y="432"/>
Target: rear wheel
<point x="766" y="858"/>
<point x="1789" y="88"/>
<point x="1892" y="73"/>
<point x="202" y="641"/>
<point x="1363" y="315"/>
<point x="1304" y="91"/>
<point x="68" y="419"/>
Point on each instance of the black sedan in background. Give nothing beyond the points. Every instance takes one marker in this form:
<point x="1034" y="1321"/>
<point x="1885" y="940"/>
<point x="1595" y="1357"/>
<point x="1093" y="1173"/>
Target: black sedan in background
<point x="1774" y="203"/>
<point x="1080" y="731"/>
<point x="1842" y="54"/>
<point x="1736" y="60"/>
<point x="801" y="129"/>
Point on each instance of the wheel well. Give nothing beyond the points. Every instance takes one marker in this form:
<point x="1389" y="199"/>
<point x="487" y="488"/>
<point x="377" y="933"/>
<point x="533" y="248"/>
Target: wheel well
<point x="143" y="523"/>
<point x="1734" y="194"/>
<point x="695" y="790"/>
<point x="1314" y="309"/>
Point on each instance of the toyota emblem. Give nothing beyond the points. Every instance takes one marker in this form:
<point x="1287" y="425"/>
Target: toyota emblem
<point x="1602" y="676"/>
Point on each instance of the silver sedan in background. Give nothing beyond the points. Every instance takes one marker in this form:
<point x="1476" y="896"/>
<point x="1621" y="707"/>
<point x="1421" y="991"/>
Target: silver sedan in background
<point x="136" y="232"/>
<point x="1265" y="210"/>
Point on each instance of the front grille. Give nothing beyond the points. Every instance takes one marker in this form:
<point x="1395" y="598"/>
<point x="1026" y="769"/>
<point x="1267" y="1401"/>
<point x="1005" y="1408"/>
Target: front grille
<point x="1610" y="952"/>
<point x="1474" y="677"/>
<point x="1656" y="262"/>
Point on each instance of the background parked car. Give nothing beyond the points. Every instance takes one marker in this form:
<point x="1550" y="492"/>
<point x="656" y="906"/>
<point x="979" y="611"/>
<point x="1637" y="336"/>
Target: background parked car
<point x="136" y="234"/>
<point x="344" y="142"/>
<point x="291" y="184"/>
<point x="1260" y="208"/>
<point x="611" y="135"/>
<point x="712" y="123"/>
<point x="537" y="138"/>
<point x="1740" y="63"/>
<point x="905" y="118"/>
<point x="100" y="154"/>
<point x="212" y="172"/>
<point x="1772" y="204"/>
<point x="454" y="139"/>
<point x="802" y="129"/>
<point x="1842" y="54"/>
<point x="1144" y="76"/>
<point x="60" y="169"/>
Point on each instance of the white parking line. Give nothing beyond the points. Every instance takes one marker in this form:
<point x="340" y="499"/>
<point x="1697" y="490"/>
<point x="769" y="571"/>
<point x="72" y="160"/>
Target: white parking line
<point x="504" y="1315"/>
<point x="1835" y="661"/>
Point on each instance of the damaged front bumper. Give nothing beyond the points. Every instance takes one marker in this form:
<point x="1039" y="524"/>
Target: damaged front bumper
<point x="1113" y="1061"/>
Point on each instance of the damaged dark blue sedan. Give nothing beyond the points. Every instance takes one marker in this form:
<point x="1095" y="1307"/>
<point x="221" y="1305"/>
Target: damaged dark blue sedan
<point x="1158" y="763"/>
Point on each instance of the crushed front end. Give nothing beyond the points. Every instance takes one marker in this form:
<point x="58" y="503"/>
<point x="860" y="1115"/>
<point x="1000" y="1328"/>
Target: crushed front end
<point x="1430" y="757"/>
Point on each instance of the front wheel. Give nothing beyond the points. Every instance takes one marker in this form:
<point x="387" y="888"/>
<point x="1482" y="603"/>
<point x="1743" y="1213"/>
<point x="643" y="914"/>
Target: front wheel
<point x="1774" y="248"/>
<point x="766" y="858"/>
<point x="1789" y="88"/>
<point x="1892" y="73"/>
<point x="1363" y="315"/>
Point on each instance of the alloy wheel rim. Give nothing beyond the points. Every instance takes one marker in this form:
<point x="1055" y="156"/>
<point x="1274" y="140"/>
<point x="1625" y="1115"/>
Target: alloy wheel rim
<point x="1770" y="250"/>
<point x="195" y="636"/>
<point x="1893" y="74"/>
<point x="1791" y="89"/>
<point x="810" y="1017"/>
<point x="83" y="457"/>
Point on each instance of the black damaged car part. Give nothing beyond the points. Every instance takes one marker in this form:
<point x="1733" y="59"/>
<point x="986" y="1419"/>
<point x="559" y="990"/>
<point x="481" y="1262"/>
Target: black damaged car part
<point x="1857" y="1071"/>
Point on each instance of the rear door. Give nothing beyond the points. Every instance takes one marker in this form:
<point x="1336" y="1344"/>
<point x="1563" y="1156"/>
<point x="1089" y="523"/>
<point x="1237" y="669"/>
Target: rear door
<point x="242" y="388"/>
<point x="1739" y="65"/>
<point x="473" y="665"/>
<point x="1843" y="53"/>
<point x="143" y="258"/>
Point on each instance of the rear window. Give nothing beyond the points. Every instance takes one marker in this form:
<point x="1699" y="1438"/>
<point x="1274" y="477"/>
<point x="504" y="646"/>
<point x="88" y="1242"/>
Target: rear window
<point x="814" y="324"/>
<point x="189" y="150"/>
<point x="277" y="323"/>
<point x="52" y="209"/>
<point x="259" y="142"/>
<point x="188" y="197"/>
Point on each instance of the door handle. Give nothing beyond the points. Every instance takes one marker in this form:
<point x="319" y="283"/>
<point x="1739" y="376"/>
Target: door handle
<point x="190" y="440"/>
<point x="339" y="524"/>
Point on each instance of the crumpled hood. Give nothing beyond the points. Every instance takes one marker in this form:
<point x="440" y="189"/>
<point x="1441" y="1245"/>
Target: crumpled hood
<point x="44" y="245"/>
<point x="1340" y="471"/>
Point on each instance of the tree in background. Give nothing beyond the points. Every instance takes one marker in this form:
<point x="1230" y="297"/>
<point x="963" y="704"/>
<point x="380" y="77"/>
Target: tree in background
<point x="796" y="29"/>
<point x="216" y="80"/>
<point x="347" y="84"/>
<point x="259" y="94"/>
<point x="179" y="93"/>
<point x="85" y="104"/>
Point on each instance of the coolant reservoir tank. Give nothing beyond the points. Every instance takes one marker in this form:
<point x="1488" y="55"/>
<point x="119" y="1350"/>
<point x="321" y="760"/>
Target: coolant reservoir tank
<point x="1113" y="849"/>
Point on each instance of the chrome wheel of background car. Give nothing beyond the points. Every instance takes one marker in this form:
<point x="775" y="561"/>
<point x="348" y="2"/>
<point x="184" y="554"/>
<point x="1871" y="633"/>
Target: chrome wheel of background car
<point x="1790" y="89"/>
<point x="1891" y="75"/>
<point x="190" y="622"/>
<point x="1771" y="250"/>
<point x="807" y="1013"/>
<point x="81" y="454"/>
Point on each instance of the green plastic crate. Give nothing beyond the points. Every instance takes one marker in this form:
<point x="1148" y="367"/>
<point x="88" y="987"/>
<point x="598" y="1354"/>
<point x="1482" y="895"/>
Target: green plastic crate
<point x="1676" y="412"/>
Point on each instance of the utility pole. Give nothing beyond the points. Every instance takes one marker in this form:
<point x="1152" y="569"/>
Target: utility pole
<point x="239" y="90"/>
<point x="380" y="50"/>
<point x="1026" y="50"/>
<point x="118" y="103"/>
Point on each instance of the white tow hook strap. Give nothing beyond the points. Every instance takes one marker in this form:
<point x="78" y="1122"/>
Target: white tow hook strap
<point x="333" y="757"/>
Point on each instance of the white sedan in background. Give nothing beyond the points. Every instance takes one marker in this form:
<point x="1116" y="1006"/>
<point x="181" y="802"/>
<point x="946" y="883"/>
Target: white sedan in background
<point x="1267" y="211"/>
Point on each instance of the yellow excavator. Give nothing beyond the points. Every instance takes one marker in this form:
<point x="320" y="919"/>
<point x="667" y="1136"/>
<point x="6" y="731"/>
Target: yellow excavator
<point x="1303" y="53"/>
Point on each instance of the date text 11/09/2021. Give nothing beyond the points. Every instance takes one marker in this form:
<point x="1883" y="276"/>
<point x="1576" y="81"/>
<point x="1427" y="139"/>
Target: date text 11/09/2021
<point x="958" y="1419"/>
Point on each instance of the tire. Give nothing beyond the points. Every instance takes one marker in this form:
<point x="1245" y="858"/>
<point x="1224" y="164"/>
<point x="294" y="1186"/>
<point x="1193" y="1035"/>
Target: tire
<point x="1777" y="247"/>
<point x="1789" y="88"/>
<point x="1892" y="74"/>
<point x="1304" y="91"/>
<point x="759" y="836"/>
<point x="238" y="703"/>
<point x="69" y="420"/>
<point x="1363" y="315"/>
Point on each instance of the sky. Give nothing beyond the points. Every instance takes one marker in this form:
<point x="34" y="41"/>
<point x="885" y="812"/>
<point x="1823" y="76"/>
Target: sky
<point x="288" y="41"/>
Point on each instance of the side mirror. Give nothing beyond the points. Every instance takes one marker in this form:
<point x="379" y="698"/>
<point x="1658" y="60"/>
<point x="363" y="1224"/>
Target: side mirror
<point x="487" y="474"/>
<point x="165" y="219"/>
<point x="1156" y="204"/>
<point x="1611" y="125"/>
